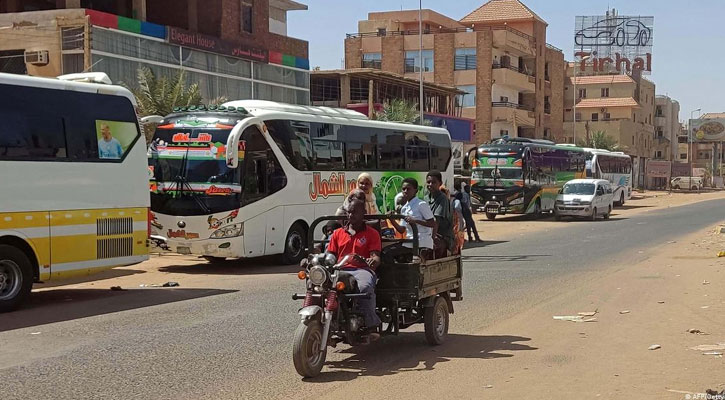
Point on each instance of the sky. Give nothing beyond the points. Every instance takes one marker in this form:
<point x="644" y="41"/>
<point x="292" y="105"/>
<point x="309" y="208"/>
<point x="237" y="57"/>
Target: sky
<point x="688" y="39"/>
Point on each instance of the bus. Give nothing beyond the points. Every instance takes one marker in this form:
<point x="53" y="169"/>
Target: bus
<point x="74" y="196"/>
<point x="616" y="167"/>
<point x="247" y="178"/>
<point x="521" y="176"/>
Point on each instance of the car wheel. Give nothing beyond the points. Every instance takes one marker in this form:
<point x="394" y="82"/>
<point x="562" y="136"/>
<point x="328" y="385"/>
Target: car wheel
<point x="609" y="211"/>
<point x="16" y="277"/>
<point x="491" y="216"/>
<point x="676" y="187"/>
<point x="694" y="188"/>
<point x="294" y="244"/>
<point x="594" y="214"/>
<point x="435" y="322"/>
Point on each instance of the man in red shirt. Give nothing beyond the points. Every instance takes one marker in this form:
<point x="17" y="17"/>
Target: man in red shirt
<point x="358" y="238"/>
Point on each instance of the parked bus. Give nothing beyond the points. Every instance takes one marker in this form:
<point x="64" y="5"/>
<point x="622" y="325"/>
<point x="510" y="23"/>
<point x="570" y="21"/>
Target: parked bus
<point x="246" y="179"/>
<point x="521" y="176"/>
<point x="616" y="167"/>
<point x="74" y="196"/>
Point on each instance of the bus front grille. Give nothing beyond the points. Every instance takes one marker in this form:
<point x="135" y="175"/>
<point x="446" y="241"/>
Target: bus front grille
<point x="114" y="247"/>
<point x="114" y="226"/>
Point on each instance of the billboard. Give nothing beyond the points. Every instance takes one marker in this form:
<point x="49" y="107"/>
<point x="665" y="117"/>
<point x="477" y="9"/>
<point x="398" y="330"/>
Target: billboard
<point x="707" y="130"/>
<point x="614" y="43"/>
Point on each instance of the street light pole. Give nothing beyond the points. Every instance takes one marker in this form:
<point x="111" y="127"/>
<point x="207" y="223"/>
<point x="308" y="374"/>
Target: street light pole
<point x="420" y="56"/>
<point x="689" y="145"/>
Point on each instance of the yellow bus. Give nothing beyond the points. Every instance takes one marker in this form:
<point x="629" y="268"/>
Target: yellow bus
<point x="73" y="181"/>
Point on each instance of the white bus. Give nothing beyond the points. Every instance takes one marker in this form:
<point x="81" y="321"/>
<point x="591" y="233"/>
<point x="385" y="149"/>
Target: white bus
<point x="74" y="196"/>
<point x="246" y="179"/>
<point x="616" y="167"/>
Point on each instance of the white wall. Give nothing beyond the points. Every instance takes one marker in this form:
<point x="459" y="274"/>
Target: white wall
<point x="499" y="90"/>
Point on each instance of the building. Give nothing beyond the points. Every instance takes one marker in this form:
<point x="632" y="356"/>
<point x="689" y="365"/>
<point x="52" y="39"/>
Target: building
<point x="621" y="106"/>
<point x="497" y="54"/>
<point x="235" y="49"/>
<point x="667" y="128"/>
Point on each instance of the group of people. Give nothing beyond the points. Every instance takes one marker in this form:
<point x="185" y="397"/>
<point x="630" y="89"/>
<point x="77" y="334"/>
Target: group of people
<point x="440" y="218"/>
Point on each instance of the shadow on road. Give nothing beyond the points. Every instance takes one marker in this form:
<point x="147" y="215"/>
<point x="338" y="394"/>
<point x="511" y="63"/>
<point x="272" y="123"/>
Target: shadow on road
<point x="506" y="258"/>
<point x="58" y="305"/>
<point x="409" y="352"/>
<point x="107" y="274"/>
<point x="632" y="207"/>
<point x="244" y="266"/>
<point x="485" y="243"/>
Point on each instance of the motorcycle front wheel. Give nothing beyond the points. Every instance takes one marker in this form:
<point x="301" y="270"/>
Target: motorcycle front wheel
<point x="306" y="353"/>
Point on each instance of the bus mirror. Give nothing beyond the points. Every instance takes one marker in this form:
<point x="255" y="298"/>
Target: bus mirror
<point x="232" y="154"/>
<point x="466" y="163"/>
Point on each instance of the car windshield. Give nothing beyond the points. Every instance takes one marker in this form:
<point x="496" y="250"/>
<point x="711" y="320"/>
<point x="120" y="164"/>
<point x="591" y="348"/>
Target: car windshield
<point x="578" y="188"/>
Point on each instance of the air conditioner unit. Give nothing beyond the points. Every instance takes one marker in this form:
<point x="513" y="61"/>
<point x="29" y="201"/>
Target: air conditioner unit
<point x="36" y="57"/>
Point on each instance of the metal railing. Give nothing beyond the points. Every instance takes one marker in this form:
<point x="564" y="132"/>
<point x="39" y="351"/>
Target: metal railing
<point x="437" y="30"/>
<point x="513" y="68"/>
<point x="511" y="105"/>
<point x="554" y="48"/>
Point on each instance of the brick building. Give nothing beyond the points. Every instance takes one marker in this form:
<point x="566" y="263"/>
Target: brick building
<point x="233" y="48"/>
<point x="667" y="128"/>
<point x="497" y="54"/>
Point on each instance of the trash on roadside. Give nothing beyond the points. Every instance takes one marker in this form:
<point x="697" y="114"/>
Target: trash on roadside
<point x="574" y="318"/>
<point x="721" y="254"/>
<point x="705" y="282"/>
<point x="488" y="387"/>
<point x="705" y="307"/>
<point x="588" y="313"/>
<point x="696" y="331"/>
<point x="170" y="284"/>
<point x="712" y="353"/>
<point x="117" y="288"/>
<point x="709" y="347"/>
<point x="624" y="312"/>
<point x="654" y="347"/>
<point x="35" y="333"/>
<point x="661" y="302"/>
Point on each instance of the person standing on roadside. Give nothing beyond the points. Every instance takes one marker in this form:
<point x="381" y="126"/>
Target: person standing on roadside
<point x="467" y="212"/>
<point x="443" y="241"/>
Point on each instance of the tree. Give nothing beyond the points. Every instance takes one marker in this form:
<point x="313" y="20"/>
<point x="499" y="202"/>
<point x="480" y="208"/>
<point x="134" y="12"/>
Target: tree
<point x="159" y="95"/>
<point x="399" y="110"/>
<point x="600" y="140"/>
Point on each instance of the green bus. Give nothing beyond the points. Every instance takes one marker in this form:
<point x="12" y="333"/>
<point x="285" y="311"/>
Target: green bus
<point x="522" y="176"/>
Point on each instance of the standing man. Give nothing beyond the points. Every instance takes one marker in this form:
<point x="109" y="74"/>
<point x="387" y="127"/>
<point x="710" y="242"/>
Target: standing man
<point x="441" y="207"/>
<point x="108" y="146"/>
<point x="359" y="238"/>
<point x="416" y="212"/>
<point x="467" y="213"/>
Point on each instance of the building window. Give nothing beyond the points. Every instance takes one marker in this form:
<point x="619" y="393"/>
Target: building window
<point x="658" y="154"/>
<point x="658" y="111"/>
<point x="683" y="156"/>
<point x="372" y="60"/>
<point x="382" y="31"/>
<point x="504" y="99"/>
<point x="659" y="132"/>
<point x="412" y="61"/>
<point x="582" y="93"/>
<point x="465" y="59"/>
<point x="578" y="116"/>
<point x="595" y="117"/>
<point x="469" y="98"/>
<point x="605" y="92"/>
<point x="246" y="7"/>
<point x="607" y="116"/>
<point x="546" y="71"/>
<point x="504" y="132"/>
<point x="547" y="105"/>
<point x="546" y="132"/>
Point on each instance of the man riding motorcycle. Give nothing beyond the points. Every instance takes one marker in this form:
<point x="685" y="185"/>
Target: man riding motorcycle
<point x="359" y="238"/>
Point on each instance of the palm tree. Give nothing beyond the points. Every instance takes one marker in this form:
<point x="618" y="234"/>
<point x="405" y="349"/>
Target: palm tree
<point x="399" y="110"/>
<point x="600" y="140"/>
<point x="159" y="95"/>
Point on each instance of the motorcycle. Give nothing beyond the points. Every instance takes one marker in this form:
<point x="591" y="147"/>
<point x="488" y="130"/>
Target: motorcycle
<point x="329" y="313"/>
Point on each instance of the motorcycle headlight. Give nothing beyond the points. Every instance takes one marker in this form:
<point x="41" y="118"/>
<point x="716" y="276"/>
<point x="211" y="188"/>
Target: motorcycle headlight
<point x="514" y="202"/>
<point x="228" y="231"/>
<point x="317" y="275"/>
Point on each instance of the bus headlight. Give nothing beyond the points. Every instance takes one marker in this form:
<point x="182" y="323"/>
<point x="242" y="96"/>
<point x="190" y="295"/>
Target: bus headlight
<point x="518" y="201"/>
<point x="228" y="231"/>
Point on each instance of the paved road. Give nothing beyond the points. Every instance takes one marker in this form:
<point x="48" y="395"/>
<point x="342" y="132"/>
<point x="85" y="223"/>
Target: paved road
<point x="233" y="340"/>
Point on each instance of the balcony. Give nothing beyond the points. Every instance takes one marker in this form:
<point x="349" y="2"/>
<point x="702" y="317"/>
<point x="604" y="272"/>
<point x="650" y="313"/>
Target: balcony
<point x="517" y="114"/>
<point x="517" y="42"/>
<point x="513" y="77"/>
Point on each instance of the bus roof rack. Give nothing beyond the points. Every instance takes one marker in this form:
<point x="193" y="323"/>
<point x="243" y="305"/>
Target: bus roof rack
<point x="89" y="77"/>
<point x="522" y="140"/>
<point x="263" y="105"/>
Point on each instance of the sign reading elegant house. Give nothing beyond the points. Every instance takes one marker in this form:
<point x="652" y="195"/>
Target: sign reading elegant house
<point x="614" y="42"/>
<point x="213" y="44"/>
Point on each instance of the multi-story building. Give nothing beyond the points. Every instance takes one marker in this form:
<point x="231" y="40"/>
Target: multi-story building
<point x="497" y="54"/>
<point x="238" y="49"/>
<point x="667" y="128"/>
<point x="621" y="106"/>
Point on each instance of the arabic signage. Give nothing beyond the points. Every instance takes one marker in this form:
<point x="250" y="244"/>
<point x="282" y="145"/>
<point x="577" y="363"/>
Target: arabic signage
<point x="614" y="43"/>
<point x="658" y="169"/>
<point x="335" y="185"/>
<point x="213" y="44"/>
<point x="707" y="130"/>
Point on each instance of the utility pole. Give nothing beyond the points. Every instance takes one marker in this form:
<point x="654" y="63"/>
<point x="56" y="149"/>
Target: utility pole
<point x="420" y="57"/>
<point x="689" y="144"/>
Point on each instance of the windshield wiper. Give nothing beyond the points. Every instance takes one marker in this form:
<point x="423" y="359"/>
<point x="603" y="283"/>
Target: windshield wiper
<point x="180" y="182"/>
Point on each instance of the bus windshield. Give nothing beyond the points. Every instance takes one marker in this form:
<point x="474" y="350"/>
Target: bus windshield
<point x="578" y="188"/>
<point x="188" y="172"/>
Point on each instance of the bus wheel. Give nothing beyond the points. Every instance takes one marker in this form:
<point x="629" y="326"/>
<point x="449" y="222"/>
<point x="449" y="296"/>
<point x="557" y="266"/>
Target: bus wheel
<point x="491" y="216"/>
<point x="16" y="277"/>
<point x="620" y="202"/>
<point x="294" y="244"/>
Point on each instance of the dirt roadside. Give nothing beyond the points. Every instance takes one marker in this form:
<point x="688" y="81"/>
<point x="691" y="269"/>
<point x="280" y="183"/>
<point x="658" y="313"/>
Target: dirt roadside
<point x="534" y="356"/>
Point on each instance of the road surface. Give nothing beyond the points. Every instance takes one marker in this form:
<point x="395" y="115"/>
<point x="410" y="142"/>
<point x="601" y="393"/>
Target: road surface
<point x="232" y="338"/>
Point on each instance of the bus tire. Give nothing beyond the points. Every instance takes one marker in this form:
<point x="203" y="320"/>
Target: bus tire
<point x="294" y="244"/>
<point x="491" y="216"/>
<point x="620" y="202"/>
<point x="16" y="277"/>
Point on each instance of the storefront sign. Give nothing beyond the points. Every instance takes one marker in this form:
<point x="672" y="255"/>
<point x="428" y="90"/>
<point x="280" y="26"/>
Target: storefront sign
<point x="658" y="169"/>
<point x="614" y="42"/>
<point x="213" y="44"/>
<point x="707" y="130"/>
